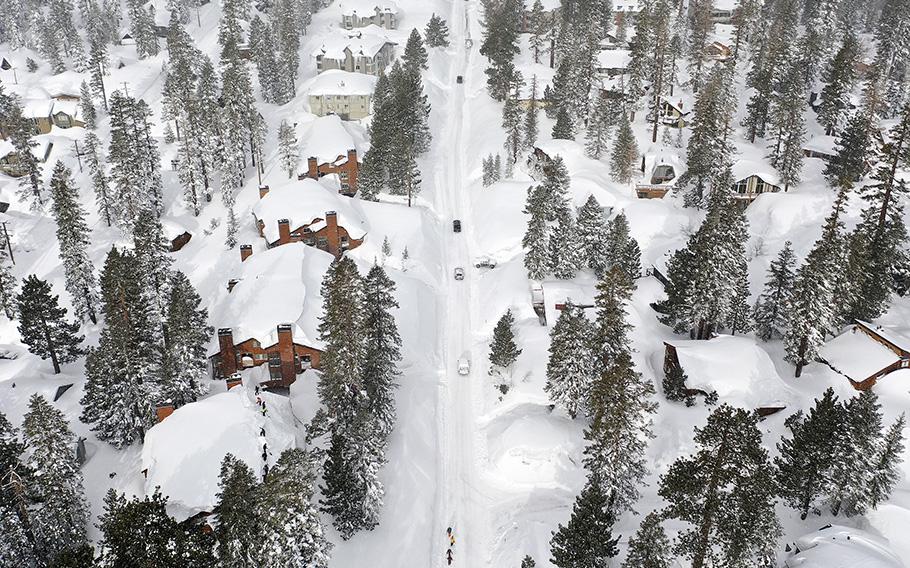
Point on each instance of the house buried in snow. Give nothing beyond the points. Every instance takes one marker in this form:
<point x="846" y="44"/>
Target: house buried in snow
<point x="864" y="353"/>
<point x="269" y="318"/>
<point x="364" y="51"/>
<point x="753" y="179"/>
<point x="332" y="147"/>
<point x="345" y="94"/>
<point x="306" y="211"/>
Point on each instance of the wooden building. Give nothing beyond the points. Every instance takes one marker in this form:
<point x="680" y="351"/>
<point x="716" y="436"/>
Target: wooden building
<point x="285" y="358"/>
<point x="10" y="160"/>
<point x="865" y="353"/>
<point x="362" y="13"/>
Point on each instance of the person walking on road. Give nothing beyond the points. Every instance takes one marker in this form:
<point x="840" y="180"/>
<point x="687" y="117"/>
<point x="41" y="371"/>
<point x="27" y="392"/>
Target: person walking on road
<point x="450" y="556"/>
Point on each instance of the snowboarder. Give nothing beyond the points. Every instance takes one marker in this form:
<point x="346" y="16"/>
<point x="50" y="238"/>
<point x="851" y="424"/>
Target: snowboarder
<point x="450" y="556"/>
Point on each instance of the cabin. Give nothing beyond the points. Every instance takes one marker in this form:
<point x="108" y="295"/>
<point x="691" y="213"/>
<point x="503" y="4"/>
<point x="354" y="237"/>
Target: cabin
<point x="550" y="11"/>
<point x="39" y="113"/>
<point x="268" y="322"/>
<point x="363" y="52"/>
<point x="613" y="62"/>
<point x="341" y="93"/>
<point x="663" y="172"/>
<point x="735" y="368"/>
<point x="672" y="114"/>
<point x="717" y="51"/>
<point x="723" y="11"/>
<point x="865" y="353"/>
<point x="67" y="114"/>
<point x="332" y="147"/>
<point x="752" y="180"/>
<point x="821" y="147"/>
<point x="306" y="211"/>
<point x="362" y="13"/>
<point x="10" y="160"/>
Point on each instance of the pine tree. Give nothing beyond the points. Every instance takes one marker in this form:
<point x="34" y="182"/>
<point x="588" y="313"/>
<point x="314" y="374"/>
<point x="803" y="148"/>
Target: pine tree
<point x="437" y="32"/>
<point x="839" y="79"/>
<point x="382" y="347"/>
<point x="528" y="562"/>
<point x="16" y="548"/>
<point x="531" y="127"/>
<point x="806" y="457"/>
<point x="563" y="128"/>
<point x="73" y="236"/>
<point x="853" y="147"/>
<point x="370" y="178"/>
<point x="100" y="185"/>
<point x="503" y="351"/>
<point x="87" y="106"/>
<point x="587" y="540"/>
<point x="622" y="250"/>
<point x="500" y="46"/>
<point x="624" y="154"/>
<point x="415" y="54"/>
<point x="788" y="127"/>
<point x="598" y="134"/>
<point x="237" y="534"/>
<point x="135" y="162"/>
<point x="7" y="288"/>
<point x="353" y="493"/>
<point x="186" y="337"/>
<point x="726" y="481"/>
<point x="511" y="124"/>
<point x="674" y="385"/>
<point x="288" y="152"/>
<point x="60" y="519"/>
<point x="20" y="132"/>
<point x="570" y="368"/>
<point x="773" y="304"/>
<point x="592" y="232"/>
<point x="701" y="26"/>
<point x="536" y="241"/>
<point x="563" y="247"/>
<point x="537" y="23"/>
<point x="885" y="466"/>
<point x="43" y="326"/>
<point x="291" y="531"/>
<point x="650" y="547"/>
<point x="139" y="532"/>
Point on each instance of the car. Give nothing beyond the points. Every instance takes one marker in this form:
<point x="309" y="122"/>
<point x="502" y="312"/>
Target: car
<point x="456" y="225"/>
<point x="459" y="273"/>
<point x="485" y="262"/>
<point x="464" y="366"/>
<point x="459" y="79"/>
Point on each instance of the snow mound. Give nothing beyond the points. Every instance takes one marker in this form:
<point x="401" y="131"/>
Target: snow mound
<point x="182" y="455"/>
<point x="836" y="546"/>
<point x="329" y="138"/>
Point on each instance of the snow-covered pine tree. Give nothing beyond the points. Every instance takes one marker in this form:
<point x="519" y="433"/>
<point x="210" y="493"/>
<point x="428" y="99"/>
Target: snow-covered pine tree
<point x="650" y="547"/>
<point x="787" y="126"/>
<point x="527" y="561"/>
<point x="20" y="131"/>
<point x="537" y="23"/>
<point x="262" y="44"/>
<point x="571" y="365"/>
<point x="238" y="534"/>
<point x="371" y="177"/>
<point x="701" y="26"/>
<point x="288" y="153"/>
<point x="592" y="233"/>
<point x="823" y="23"/>
<point x="60" y="518"/>
<point x="709" y="154"/>
<point x="100" y="185"/>
<point x="587" y="540"/>
<point x="531" y="126"/>
<point x="496" y="170"/>
<point x="853" y="150"/>
<point x="500" y="46"/>
<point x="624" y="152"/>
<point x="49" y="43"/>
<point x="119" y="399"/>
<point x="352" y="492"/>
<point x="97" y="59"/>
<point x="597" y="137"/>
<point x="73" y="238"/>
<point x="291" y="531"/>
<point x="16" y="547"/>
<point x="503" y="351"/>
<point x="8" y="286"/>
<point x="43" y="325"/>
<point x="87" y="106"/>
<point x="563" y="129"/>
<point x="740" y="316"/>
<point x="885" y="466"/>
<point x="186" y="336"/>
<point x="415" y="54"/>
<point x="622" y="249"/>
<point x="746" y="20"/>
<point x="382" y="347"/>
<point x="537" y="236"/>
<point x="806" y="457"/>
<point x="511" y="124"/>
<point x="140" y="531"/>
<point x="772" y="307"/>
<point x="288" y="20"/>
<point x="134" y="159"/>
<point x="728" y="477"/>
<point x="564" y="256"/>
<point x="16" y="541"/>
<point x="839" y="78"/>
<point x="674" y="385"/>
<point x="437" y="32"/>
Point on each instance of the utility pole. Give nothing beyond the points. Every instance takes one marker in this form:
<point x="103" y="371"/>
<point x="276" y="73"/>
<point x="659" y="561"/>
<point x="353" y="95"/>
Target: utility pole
<point x="78" y="155"/>
<point x="9" y="245"/>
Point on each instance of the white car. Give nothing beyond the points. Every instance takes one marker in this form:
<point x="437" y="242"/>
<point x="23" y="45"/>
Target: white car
<point x="464" y="366"/>
<point x="459" y="273"/>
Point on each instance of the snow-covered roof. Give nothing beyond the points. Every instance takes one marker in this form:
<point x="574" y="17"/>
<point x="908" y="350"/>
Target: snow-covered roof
<point x="39" y="150"/>
<point x="277" y="286"/>
<point x="675" y="105"/>
<point x="329" y="137"/>
<point x="302" y="201"/>
<point x="744" y="168"/>
<point x="338" y="82"/>
<point x="366" y="41"/>
<point x="613" y="59"/>
<point x="367" y="6"/>
<point x="856" y="355"/>
<point x="842" y="547"/>
<point x="548" y="5"/>
<point x="37" y="108"/>
<point x="72" y="108"/>
<point x="182" y="454"/>
<point x="822" y="144"/>
<point x="725" y="4"/>
<point x="736" y="367"/>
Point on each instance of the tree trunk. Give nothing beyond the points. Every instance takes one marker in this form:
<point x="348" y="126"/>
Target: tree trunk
<point x="50" y="346"/>
<point x="707" y="519"/>
<point x="801" y="356"/>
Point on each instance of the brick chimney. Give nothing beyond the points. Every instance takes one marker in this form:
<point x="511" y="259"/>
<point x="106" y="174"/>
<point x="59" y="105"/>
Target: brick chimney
<point x="246" y="251"/>
<point x="263" y="191"/>
<point x="312" y="168"/>
<point x="286" y="354"/>
<point x="228" y="353"/>
<point x="331" y="233"/>
<point x="284" y="231"/>
<point x="353" y="168"/>
<point x="164" y="410"/>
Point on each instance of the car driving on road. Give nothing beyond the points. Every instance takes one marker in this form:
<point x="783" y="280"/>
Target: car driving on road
<point x="464" y="366"/>
<point x="456" y="225"/>
<point x="459" y="273"/>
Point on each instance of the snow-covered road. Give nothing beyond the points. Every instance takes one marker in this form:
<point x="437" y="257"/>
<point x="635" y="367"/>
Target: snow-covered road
<point x="459" y="500"/>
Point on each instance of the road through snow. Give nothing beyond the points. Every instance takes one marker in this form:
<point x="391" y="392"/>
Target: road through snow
<point x="459" y="500"/>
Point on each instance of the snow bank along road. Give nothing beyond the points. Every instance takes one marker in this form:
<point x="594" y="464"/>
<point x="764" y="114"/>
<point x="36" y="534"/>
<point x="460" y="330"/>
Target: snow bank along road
<point x="459" y="500"/>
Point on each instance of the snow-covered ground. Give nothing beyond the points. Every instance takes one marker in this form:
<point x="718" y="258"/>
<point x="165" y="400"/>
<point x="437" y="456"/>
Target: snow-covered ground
<point x="500" y="467"/>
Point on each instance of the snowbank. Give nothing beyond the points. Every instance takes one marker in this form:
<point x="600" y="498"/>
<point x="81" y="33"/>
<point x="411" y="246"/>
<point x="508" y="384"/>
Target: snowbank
<point x="842" y="547"/>
<point x="329" y="138"/>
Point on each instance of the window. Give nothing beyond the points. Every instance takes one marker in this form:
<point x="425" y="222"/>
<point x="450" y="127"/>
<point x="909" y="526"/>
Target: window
<point x="741" y="186"/>
<point x="345" y="242"/>
<point x="274" y="360"/>
<point x="322" y="243"/>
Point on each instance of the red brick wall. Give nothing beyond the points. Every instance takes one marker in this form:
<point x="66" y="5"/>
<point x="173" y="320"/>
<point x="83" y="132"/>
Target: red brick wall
<point x="350" y="166"/>
<point x="286" y="349"/>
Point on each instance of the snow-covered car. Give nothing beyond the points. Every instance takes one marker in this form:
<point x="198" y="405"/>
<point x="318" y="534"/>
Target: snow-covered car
<point x="464" y="366"/>
<point x="459" y="273"/>
<point x="485" y="262"/>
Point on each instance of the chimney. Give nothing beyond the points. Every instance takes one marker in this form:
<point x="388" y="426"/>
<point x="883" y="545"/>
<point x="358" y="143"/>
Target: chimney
<point x="353" y="167"/>
<point x="312" y="167"/>
<point x="164" y="410"/>
<point x="246" y="251"/>
<point x="331" y="233"/>
<point x="228" y="354"/>
<point x="352" y="155"/>
<point x="284" y="231"/>
<point x="286" y="354"/>
<point x="263" y="191"/>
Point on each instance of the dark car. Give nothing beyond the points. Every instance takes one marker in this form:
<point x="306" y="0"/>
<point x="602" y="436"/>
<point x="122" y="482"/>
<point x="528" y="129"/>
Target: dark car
<point x="456" y="225"/>
<point x="459" y="79"/>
